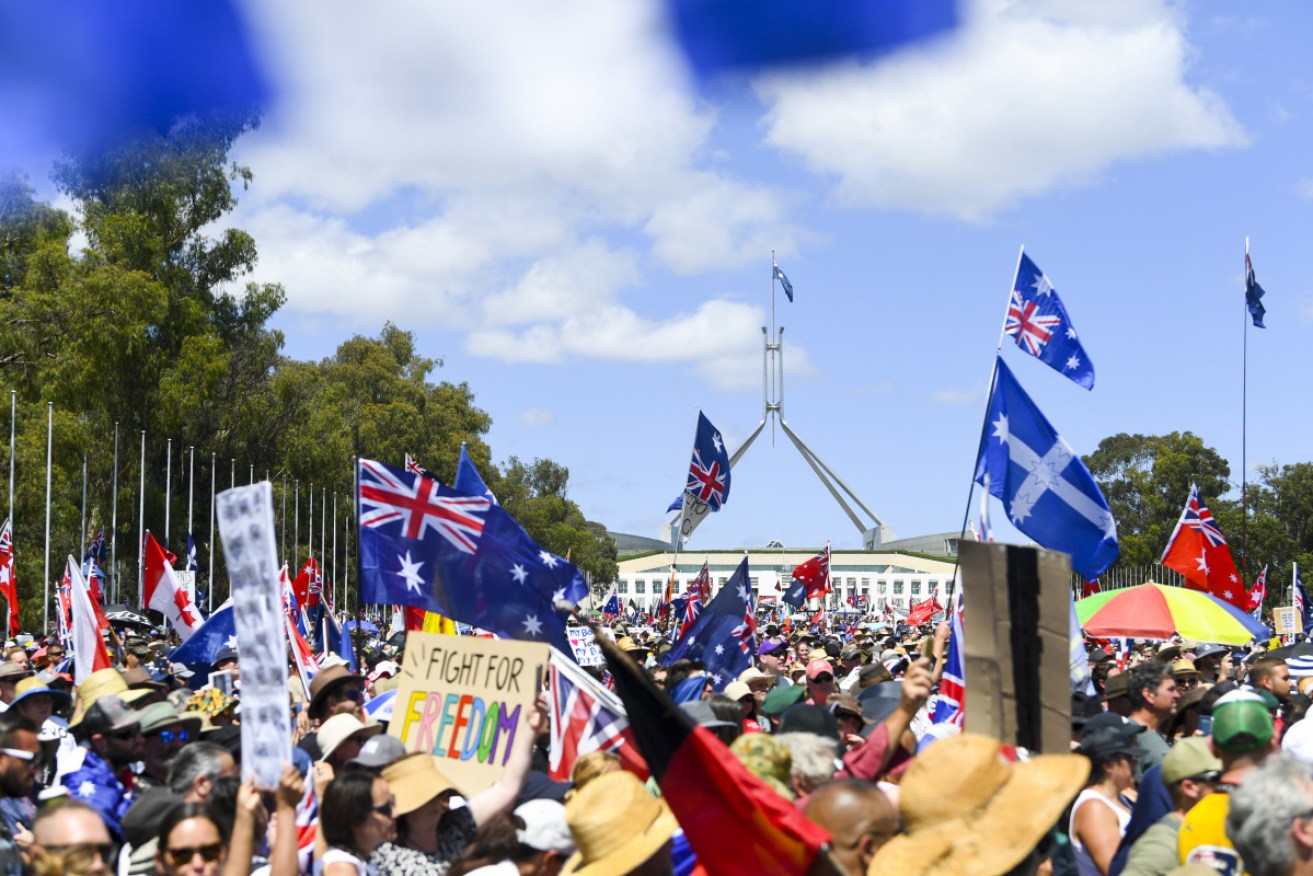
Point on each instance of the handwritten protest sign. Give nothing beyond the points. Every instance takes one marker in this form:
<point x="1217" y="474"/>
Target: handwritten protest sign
<point x="464" y="699"/>
<point x="585" y="646"/>
<point x="246" y="526"/>
<point x="1285" y="619"/>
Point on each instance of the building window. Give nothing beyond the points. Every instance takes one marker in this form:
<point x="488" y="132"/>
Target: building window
<point x="640" y="587"/>
<point x="884" y="587"/>
<point x="898" y="589"/>
<point x="866" y="582"/>
<point x="624" y="587"/>
<point x="916" y="588"/>
<point x="720" y="582"/>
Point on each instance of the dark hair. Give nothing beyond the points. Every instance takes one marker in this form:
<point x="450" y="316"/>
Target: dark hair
<point x="11" y="722"/>
<point x="178" y="814"/>
<point x="1142" y="677"/>
<point x="497" y="840"/>
<point x="223" y="802"/>
<point x="347" y="801"/>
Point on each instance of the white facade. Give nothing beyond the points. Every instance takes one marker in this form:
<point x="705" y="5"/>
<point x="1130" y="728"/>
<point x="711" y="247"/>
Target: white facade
<point x="901" y="579"/>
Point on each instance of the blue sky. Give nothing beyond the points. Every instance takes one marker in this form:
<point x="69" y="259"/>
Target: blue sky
<point x="543" y="196"/>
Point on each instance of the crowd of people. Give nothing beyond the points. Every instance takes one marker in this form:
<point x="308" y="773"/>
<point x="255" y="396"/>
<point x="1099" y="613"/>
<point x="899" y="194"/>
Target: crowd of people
<point x="1182" y="755"/>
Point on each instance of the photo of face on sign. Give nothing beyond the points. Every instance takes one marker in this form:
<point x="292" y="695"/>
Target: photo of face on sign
<point x="464" y="700"/>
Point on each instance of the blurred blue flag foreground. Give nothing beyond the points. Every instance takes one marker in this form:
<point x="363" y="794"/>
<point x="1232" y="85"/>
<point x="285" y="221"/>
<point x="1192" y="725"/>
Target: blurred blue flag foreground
<point x="77" y="74"/>
<point x="424" y="544"/>
<point x="717" y="35"/>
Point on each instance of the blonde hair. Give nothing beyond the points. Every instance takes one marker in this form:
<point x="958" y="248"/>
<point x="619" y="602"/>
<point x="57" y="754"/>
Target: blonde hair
<point x="592" y="765"/>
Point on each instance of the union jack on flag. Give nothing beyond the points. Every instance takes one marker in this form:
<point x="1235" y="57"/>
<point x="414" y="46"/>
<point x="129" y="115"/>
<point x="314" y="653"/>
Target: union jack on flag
<point x="1027" y="326"/>
<point x="707" y="482"/>
<point x="1199" y="518"/>
<point x="414" y="467"/>
<point x="698" y="595"/>
<point x="950" y="706"/>
<point x="585" y="717"/>
<point x="1039" y="324"/>
<point x="388" y="496"/>
<point x="746" y="632"/>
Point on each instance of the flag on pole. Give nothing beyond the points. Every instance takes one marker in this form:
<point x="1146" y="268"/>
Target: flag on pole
<point x="585" y="717"/>
<point x="219" y="631"/>
<point x="1198" y="550"/>
<point x="1301" y="602"/>
<point x="8" y="580"/>
<point x="469" y="481"/>
<point x="1257" y="594"/>
<point x="697" y="596"/>
<point x="711" y="792"/>
<point x="814" y="576"/>
<point x="1090" y="587"/>
<point x="724" y="634"/>
<point x="89" y="654"/>
<point x="414" y="467"/>
<point x="163" y="592"/>
<point x="1253" y="294"/>
<point x="923" y="611"/>
<point x="612" y="607"/>
<point x="1046" y="490"/>
<point x="707" y="487"/>
<point x="784" y="282"/>
<point x="191" y="554"/>
<point x="1039" y="324"/>
<point x="950" y="704"/>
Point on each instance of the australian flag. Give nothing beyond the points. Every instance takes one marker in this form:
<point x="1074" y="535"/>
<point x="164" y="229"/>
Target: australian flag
<point x="1253" y="295"/>
<point x="1046" y="490"/>
<point x="612" y="607"/>
<point x="1301" y="604"/>
<point x="429" y="546"/>
<point x="708" y="473"/>
<point x="784" y="281"/>
<point x="216" y="633"/>
<point x="724" y="635"/>
<point x="1039" y="324"/>
<point x="469" y="481"/>
<point x="950" y="704"/>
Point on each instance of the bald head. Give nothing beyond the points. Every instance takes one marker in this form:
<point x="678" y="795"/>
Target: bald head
<point x="858" y="816"/>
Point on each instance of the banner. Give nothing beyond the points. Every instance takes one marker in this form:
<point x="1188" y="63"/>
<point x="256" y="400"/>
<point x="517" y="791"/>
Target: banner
<point x="246" y="527"/>
<point x="585" y="647"/>
<point x="464" y="699"/>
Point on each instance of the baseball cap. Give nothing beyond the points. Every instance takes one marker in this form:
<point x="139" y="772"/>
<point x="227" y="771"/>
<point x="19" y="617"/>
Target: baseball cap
<point x="545" y="827"/>
<point x="702" y="715"/>
<point x="819" y="666"/>
<point x="781" y="697"/>
<point x="107" y="715"/>
<point x="737" y="690"/>
<point x="769" y="646"/>
<point x="1241" y="723"/>
<point x="378" y="751"/>
<point x="1189" y="758"/>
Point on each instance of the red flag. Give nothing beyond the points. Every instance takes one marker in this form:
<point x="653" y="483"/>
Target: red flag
<point x="301" y="584"/>
<point x="1258" y="592"/>
<point x="1089" y="588"/>
<point x="8" y="581"/>
<point x="163" y="593"/>
<point x="1199" y="552"/>
<point x="923" y="611"/>
<point x="414" y="618"/>
<point x="815" y="574"/>
<point x="733" y="820"/>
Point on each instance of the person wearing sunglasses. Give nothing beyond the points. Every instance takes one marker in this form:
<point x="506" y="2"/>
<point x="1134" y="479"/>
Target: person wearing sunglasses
<point x="71" y="838"/>
<point x="20" y="766"/>
<point x="820" y="682"/>
<point x="164" y="734"/>
<point x="191" y="842"/>
<point x="109" y="738"/>
<point x="357" y="816"/>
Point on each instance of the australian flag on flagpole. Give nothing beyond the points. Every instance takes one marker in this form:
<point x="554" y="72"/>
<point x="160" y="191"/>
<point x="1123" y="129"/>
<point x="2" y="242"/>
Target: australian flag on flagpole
<point x="706" y="488"/>
<point x="1046" y="490"/>
<point x="724" y="635"/>
<point x="784" y="281"/>
<point x="1039" y="324"/>
<point x="1253" y="294"/>
<point x="424" y="544"/>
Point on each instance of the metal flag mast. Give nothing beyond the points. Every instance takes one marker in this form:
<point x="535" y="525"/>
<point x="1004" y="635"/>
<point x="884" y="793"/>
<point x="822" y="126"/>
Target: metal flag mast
<point x="1244" y="433"/>
<point x="874" y="530"/>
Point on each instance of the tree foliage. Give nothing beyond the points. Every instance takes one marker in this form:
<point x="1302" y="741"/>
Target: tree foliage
<point x="150" y="327"/>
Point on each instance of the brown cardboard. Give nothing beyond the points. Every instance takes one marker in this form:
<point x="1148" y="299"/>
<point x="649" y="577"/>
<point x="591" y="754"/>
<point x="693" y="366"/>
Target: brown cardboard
<point x="995" y="703"/>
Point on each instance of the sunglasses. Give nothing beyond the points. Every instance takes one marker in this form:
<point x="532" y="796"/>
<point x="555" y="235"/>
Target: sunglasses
<point x="78" y="857"/>
<point x="168" y="737"/>
<point x="353" y="693"/>
<point x="823" y="678"/>
<point x="125" y="735"/>
<point x="33" y="759"/>
<point x="386" y="809"/>
<point x="209" y="854"/>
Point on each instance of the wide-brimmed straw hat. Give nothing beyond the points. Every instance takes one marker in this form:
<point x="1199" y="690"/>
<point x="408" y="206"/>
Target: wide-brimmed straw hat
<point x="968" y="811"/>
<point x="415" y="780"/>
<point x="616" y="825"/>
<point x="104" y="683"/>
<point x="340" y="728"/>
<point x="35" y="687"/>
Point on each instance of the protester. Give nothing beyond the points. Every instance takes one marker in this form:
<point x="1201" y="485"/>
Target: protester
<point x="534" y="840"/>
<point x="1272" y="675"/>
<point x="1190" y="771"/>
<point x="618" y="828"/>
<point x="1153" y="694"/>
<point x="110" y="738"/>
<point x="164" y="735"/>
<point x="1271" y="819"/>
<point x="191" y="842"/>
<point x="860" y="820"/>
<point x="820" y="682"/>
<point x="71" y="839"/>
<point x="1101" y="812"/>
<point x="357" y="816"/>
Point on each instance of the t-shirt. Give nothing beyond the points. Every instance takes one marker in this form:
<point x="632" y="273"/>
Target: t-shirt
<point x="1154" y="853"/>
<point x="1203" y="838"/>
<point x="340" y="856"/>
<point x="1155" y="748"/>
<point x="456" y="831"/>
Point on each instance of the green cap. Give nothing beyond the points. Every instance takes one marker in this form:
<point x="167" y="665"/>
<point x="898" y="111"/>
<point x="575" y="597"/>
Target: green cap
<point x="1241" y="723"/>
<point x="781" y="697"/>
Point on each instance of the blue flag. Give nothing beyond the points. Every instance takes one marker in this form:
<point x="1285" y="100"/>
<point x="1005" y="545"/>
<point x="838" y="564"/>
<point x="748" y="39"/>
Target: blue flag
<point x="1253" y="295"/>
<point x="796" y="595"/>
<point x="708" y="473"/>
<point x="784" y="281"/>
<point x="1039" y="324"/>
<point x="197" y="653"/>
<point x="426" y="545"/>
<point x="191" y="554"/>
<point x="337" y="643"/>
<point x="612" y="607"/>
<point x="1046" y="490"/>
<point x="724" y="635"/>
<point x="469" y="481"/>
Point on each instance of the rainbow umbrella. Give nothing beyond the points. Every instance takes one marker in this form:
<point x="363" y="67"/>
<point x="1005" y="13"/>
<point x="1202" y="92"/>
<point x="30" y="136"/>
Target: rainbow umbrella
<point x="1152" y="611"/>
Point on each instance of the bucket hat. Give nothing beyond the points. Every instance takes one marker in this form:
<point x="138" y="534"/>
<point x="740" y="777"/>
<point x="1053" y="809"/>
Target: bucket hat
<point x="415" y="780"/>
<point x="617" y="825"/>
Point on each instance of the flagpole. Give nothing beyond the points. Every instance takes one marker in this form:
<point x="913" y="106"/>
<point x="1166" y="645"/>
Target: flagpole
<point x="323" y="527"/>
<point x="210" y="550"/>
<point x="13" y="411"/>
<point x="84" y="507"/>
<point x="1244" y="432"/>
<point x="310" y="552"/>
<point x="333" y="564"/>
<point x="283" y="528"/>
<point x="50" y="437"/>
<point x="141" y="521"/>
<point x="296" y="520"/>
<point x="168" y="490"/>
<point x="114" y="522"/>
<point x="769" y="340"/>
<point x="191" y="496"/>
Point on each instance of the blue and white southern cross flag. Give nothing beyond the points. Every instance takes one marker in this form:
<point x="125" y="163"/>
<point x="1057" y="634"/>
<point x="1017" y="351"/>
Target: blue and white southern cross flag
<point x="724" y="635"/>
<point x="1046" y="490"/>
<point x="217" y="632"/>
<point x="784" y="281"/>
<point x="1039" y="324"/>
<point x="191" y="554"/>
<point x="426" y="545"/>
<point x="707" y="486"/>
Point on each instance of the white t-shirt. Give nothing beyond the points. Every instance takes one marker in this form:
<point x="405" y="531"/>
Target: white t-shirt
<point x="505" y="868"/>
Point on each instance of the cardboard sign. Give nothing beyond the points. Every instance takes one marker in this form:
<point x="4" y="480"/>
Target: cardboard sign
<point x="1017" y="628"/>
<point x="585" y="647"/>
<point x="246" y="526"/>
<point x="1286" y="620"/>
<point x="464" y="699"/>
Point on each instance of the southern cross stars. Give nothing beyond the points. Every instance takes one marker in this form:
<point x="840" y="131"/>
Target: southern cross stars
<point x="715" y="440"/>
<point x="532" y="625"/>
<point x="1073" y="363"/>
<point x="549" y="559"/>
<point x="519" y="574"/>
<point x="1042" y="285"/>
<point x="1001" y="428"/>
<point x="410" y="573"/>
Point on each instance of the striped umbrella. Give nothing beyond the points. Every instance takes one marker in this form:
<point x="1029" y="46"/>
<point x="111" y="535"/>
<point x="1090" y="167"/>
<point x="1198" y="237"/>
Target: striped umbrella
<point x="1153" y="611"/>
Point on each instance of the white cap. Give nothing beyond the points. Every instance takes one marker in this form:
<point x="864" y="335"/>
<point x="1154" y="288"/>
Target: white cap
<point x="544" y="827"/>
<point x="1298" y="741"/>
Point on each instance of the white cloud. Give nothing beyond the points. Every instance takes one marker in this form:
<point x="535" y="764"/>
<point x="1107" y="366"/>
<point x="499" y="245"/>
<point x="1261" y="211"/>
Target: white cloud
<point x="1304" y="188"/>
<point x="973" y="395"/>
<point x="1027" y="96"/>
<point x="536" y="418"/>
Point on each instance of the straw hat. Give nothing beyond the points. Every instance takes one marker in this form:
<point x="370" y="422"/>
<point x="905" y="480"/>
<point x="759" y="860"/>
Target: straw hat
<point x="414" y="781"/>
<point x="33" y="687"/>
<point x="967" y="811"/>
<point x="340" y="728"/>
<point x="104" y="683"/>
<point x="617" y="825"/>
